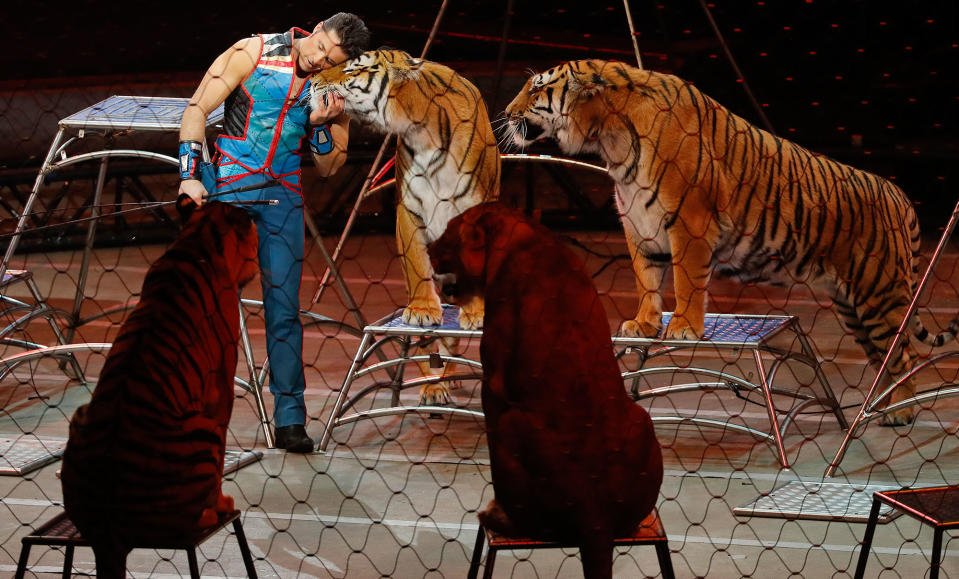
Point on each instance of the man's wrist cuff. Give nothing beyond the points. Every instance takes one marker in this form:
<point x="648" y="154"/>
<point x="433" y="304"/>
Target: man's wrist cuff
<point x="321" y="142"/>
<point x="191" y="153"/>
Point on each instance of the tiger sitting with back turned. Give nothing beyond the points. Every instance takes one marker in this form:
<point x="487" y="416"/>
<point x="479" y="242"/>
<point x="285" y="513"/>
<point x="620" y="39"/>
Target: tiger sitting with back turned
<point x="144" y="459"/>
<point x="698" y="187"/>
<point x="572" y="457"/>
<point x="447" y="160"/>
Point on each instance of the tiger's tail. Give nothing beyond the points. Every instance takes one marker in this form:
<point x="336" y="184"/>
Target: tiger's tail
<point x="920" y="332"/>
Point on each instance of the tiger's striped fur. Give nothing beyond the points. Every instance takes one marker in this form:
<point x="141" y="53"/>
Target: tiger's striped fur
<point x="699" y="188"/>
<point x="447" y="160"/>
<point x="144" y="459"/>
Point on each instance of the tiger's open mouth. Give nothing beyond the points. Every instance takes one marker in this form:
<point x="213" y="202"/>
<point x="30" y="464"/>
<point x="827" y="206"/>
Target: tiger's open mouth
<point x="530" y="131"/>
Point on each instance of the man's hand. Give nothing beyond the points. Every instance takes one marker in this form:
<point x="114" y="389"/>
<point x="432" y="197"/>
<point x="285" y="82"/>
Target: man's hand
<point x="194" y="189"/>
<point x="327" y="109"/>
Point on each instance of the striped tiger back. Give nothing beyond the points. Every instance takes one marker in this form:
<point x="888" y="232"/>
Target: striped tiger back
<point x="144" y="459"/>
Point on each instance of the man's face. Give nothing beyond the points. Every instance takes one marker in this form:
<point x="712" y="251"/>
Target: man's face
<point x="320" y="51"/>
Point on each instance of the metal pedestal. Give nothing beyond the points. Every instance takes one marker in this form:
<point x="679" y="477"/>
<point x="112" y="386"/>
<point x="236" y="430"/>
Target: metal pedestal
<point x="391" y="329"/>
<point x="736" y="333"/>
<point x="116" y="115"/>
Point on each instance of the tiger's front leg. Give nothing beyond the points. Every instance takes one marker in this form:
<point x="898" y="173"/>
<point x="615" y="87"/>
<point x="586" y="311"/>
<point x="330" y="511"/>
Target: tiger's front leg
<point x="424" y="307"/>
<point x="692" y="255"/>
<point x="649" y="268"/>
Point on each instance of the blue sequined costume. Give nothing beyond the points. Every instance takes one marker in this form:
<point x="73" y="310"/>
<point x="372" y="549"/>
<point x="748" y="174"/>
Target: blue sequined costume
<point x="265" y="127"/>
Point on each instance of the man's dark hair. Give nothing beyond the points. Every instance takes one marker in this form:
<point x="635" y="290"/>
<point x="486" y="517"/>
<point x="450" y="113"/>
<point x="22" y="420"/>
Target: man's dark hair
<point x="353" y="33"/>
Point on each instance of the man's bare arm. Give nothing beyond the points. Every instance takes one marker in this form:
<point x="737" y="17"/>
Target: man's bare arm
<point x="225" y="74"/>
<point x="327" y="164"/>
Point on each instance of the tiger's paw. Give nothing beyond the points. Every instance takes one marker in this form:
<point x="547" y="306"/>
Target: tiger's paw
<point x="680" y="329"/>
<point x="208" y="518"/>
<point x="898" y="418"/>
<point x="637" y="329"/>
<point x="225" y="504"/>
<point x="434" y="395"/>
<point x="422" y="314"/>
<point x="494" y="518"/>
<point x="471" y="320"/>
<point x="905" y="415"/>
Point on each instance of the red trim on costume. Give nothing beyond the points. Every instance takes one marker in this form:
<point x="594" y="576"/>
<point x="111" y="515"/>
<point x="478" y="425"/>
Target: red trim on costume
<point x="286" y="104"/>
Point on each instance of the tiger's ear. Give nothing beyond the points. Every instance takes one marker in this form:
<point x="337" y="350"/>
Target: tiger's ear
<point x="398" y="75"/>
<point x="587" y="85"/>
<point x="411" y="70"/>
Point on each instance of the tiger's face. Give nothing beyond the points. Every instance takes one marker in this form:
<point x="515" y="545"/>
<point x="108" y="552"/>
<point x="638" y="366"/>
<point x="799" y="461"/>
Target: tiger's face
<point x="557" y="104"/>
<point x="533" y="114"/>
<point x="458" y="258"/>
<point x="367" y="84"/>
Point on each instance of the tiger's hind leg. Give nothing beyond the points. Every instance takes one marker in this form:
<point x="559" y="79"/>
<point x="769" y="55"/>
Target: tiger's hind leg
<point x="874" y="347"/>
<point x="906" y="389"/>
<point x="471" y="318"/>
<point x="434" y="393"/>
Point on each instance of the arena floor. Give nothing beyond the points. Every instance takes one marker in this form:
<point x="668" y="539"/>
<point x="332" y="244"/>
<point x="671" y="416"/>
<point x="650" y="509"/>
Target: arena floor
<point x="397" y="496"/>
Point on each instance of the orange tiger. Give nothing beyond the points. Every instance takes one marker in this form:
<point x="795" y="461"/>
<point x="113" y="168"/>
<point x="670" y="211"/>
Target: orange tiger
<point x="144" y="458"/>
<point x="447" y="160"/>
<point x="699" y="188"/>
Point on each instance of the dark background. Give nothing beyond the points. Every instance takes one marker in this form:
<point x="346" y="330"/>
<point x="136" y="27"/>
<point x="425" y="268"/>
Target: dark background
<point x="873" y="84"/>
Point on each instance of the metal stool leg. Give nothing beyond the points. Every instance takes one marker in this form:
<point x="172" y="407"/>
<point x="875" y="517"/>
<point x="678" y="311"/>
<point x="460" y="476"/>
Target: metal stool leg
<point x="194" y="568"/>
<point x="256" y="387"/>
<point x="344" y="391"/>
<point x="867" y="539"/>
<point x="936" y="554"/>
<point x="68" y="562"/>
<point x="22" y="563"/>
<point x="490" y="560"/>
<point x="771" y="410"/>
<point x="61" y="339"/>
<point x="244" y="549"/>
<point x="665" y="562"/>
<point x="477" y="553"/>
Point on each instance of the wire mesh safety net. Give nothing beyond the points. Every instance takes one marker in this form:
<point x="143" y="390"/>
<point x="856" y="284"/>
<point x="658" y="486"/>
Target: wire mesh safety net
<point x="749" y="419"/>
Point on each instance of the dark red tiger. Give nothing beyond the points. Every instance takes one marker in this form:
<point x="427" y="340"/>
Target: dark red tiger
<point x="572" y="457"/>
<point x="144" y="459"/>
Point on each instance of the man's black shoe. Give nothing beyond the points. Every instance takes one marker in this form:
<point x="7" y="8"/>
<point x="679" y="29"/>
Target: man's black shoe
<point x="293" y="438"/>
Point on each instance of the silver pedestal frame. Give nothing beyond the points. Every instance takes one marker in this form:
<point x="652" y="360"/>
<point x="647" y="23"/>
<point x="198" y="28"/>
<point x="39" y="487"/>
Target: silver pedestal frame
<point x="738" y="333"/>
<point x="410" y="339"/>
